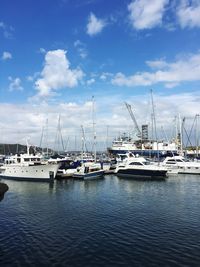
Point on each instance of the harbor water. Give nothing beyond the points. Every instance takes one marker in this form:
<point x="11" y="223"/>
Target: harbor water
<point x="105" y="222"/>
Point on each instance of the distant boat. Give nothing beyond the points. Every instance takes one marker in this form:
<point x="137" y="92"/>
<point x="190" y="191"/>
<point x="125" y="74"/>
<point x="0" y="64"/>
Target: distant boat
<point x="124" y="144"/>
<point x="181" y="165"/>
<point x="28" y="167"/>
<point x="139" y="168"/>
<point x="142" y="144"/>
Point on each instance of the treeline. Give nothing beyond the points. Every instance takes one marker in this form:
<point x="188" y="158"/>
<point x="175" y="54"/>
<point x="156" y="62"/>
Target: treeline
<point x="11" y="149"/>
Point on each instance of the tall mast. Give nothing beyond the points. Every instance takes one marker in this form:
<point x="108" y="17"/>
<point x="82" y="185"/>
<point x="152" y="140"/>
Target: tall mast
<point x="28" y="147"/>
<point x="59" y="135"/>
<point x="94" y="131"/>
<point x="107" y="128"/>
<point x="153" y="117"/>
<point x="181" y="133"/>
<point x="197" y="135"/>
<point x="154" y="128"/>
<point x="82" y="143"/>
<point x="47" y="142"/>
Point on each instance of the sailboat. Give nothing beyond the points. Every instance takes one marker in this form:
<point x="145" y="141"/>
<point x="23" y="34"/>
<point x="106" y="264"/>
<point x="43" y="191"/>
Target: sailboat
<point x="89" y="170"/>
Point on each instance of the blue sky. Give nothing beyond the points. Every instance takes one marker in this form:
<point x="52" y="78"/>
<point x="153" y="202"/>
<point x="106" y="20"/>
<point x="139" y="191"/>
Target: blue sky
<point x="56" y="54"/>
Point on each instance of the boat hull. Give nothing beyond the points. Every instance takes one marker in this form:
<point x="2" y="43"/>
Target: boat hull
<point x="46" y="172"/>
<point x="89" y="175"/>
<point x="142" y="174"/>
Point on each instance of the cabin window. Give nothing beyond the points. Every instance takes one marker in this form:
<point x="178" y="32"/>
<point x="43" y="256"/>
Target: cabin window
<point x="135" y="163"/>
<point x="18" y="160"/>
<point x="26" y="159"/>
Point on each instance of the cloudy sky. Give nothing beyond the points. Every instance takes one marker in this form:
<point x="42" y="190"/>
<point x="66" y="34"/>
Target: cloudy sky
<point x="55" y="55"/>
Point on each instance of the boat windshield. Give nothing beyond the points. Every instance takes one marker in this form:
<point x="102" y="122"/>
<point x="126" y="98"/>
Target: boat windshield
<point x="186" y="160"/>
<point x="147" y="163"/>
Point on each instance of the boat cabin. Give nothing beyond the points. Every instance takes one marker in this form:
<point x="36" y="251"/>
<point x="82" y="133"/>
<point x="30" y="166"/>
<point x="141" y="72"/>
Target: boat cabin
<point x="23" y="158"/>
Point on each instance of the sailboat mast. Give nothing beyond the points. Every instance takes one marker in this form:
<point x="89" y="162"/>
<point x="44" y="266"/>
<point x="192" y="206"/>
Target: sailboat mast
<point x="181" y="134"/>
<point x="154" y="122"/>
<point x="82" y="143"/>
<point x="197" y="135"/>
<point x="153" y="116"/>
<point x="47" y="142"/>
<point x="94" y="131"/>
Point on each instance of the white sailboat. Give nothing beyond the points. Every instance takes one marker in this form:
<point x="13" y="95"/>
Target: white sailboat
<point x="89" y="170"/>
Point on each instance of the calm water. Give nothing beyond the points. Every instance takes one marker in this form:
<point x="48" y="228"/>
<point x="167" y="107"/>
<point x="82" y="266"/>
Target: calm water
<point x="107" y="222"/>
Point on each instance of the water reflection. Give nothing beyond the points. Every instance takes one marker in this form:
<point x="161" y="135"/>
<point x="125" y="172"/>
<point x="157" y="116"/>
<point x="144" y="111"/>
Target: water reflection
<point x="103" y="222"/>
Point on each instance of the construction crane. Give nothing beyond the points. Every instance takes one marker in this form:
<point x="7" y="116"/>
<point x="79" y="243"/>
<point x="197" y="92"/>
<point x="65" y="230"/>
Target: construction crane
<point x="138" y="133"/>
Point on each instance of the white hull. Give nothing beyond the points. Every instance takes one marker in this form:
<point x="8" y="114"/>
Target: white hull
<point x="65" y="173"/>
<point x="34" y="172"/>
<point x="181" y="166"/>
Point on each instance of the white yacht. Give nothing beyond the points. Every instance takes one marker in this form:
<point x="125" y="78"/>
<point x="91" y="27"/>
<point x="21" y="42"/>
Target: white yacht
<point x="28" y="167"/>
<point x="140" y="168"/>
<point x="181" y="165"/>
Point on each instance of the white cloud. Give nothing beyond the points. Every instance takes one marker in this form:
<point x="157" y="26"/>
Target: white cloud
<point x="27" y="120"/>
<point x="91" y="81"/>
<point x="33" y="77"/>
<point x="22" y="120"/>
<point x="104" y="76"/>
<point x="6" y="55"/>
<point x="42" y="50"/>
<point x="95" y="25"/>
<point x="57" y="74"/>
<point x="81" y="48"/>
<point x="7" y="30"/>
<point x="2" y="24"/>
<point x="171" y="74"/>
<point x="157" y="64"/>
<point x="146" y="14"/>
<point x="188" y="14"/>
<point x="15" y="84"/>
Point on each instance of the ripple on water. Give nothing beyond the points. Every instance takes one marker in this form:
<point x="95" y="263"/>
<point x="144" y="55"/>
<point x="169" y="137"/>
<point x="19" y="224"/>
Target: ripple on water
<point x="108" y="222"/>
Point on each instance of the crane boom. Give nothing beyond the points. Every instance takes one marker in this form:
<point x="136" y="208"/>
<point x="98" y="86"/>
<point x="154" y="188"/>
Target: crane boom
<point x="128" y="106"/>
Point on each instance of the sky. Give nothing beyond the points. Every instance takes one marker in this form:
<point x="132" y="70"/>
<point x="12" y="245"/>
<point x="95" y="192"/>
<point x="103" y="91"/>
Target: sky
<point x="81" y="60"/>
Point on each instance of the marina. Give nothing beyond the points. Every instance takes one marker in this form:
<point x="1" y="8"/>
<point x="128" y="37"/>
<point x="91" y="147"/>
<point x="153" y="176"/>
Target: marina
<point x="100" y="133"/>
